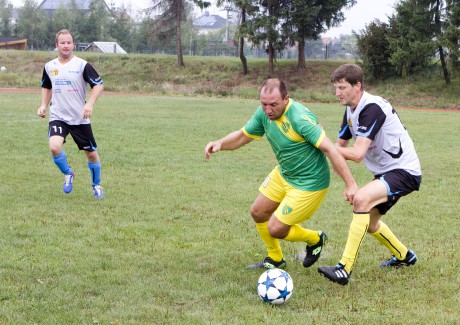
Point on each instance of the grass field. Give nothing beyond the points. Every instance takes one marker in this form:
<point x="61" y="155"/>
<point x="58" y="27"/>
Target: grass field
<point x="169" y="243"/>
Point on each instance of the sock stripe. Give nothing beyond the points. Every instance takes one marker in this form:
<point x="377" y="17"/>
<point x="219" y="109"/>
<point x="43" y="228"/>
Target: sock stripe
<point x="360" y="242"/>
<point x="389" y="242"/>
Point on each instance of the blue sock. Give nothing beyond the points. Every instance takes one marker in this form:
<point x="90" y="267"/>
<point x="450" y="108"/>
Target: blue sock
<point x="61" y="162"/>
<point x="95" y="170"/>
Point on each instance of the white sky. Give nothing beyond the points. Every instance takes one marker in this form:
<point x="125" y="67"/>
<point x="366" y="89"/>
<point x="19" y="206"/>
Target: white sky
<point x="361" y="14"/>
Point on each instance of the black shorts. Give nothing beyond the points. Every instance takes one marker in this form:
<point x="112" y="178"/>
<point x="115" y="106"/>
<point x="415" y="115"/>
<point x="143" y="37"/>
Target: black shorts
<point x="82" y="134"/>
<point x="399" y="182"/>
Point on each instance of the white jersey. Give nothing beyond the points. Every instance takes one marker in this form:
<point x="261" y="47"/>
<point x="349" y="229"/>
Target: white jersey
<point x="391" y="147"/>
<point x="69" y="82"/>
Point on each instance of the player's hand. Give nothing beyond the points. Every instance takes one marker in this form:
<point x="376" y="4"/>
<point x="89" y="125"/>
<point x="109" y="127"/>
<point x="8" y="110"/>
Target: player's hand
<point x="87" y="110"/>
<point x="41" y="111"/>
<point x="211" y="148"/>
<point x="349" y="193"/>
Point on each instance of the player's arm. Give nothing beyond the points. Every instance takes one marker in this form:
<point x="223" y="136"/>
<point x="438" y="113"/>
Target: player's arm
<point x="91" y="76"/>
<point x="46" y="94"/>
<point x="340" y="166"/>
<point x="46" y="98"/>
<point x="231" y="141"/>
<point x="371" y="119"/>
<point x="357" y="151"/>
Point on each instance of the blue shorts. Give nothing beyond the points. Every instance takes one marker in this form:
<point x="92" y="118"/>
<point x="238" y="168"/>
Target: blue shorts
<point x="398" y="182"/>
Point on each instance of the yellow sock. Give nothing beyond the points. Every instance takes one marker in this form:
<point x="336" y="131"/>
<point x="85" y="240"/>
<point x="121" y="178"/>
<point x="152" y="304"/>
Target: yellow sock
<point x="298" y="233"/>
<point x="386" y="237"/>
<point x="358" y="229"/>
<point x="272" y="244"/>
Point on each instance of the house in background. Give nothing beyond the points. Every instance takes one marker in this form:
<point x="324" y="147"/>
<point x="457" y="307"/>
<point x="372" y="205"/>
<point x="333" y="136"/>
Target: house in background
<point x="50" y="6"/>
<point x="13" y="43"/>
<point x="210" y="23"/>
<point x="105" y="47"/>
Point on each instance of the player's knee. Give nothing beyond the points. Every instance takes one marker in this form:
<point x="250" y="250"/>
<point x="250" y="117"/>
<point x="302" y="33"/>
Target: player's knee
<point x="55" y="150"/>
<point x="259" y="215"/>
<point x="277" y="232"/>
<point x="361" y="202"/>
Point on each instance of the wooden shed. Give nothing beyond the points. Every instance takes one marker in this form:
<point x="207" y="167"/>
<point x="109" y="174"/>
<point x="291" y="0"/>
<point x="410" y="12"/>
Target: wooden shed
<point x="13" y="43"/>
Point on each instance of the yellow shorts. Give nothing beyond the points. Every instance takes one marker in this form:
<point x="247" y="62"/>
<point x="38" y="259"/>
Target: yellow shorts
<point x="296" y="205"/>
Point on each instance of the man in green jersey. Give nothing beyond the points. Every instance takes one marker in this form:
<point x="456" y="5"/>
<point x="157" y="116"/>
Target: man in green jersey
<point x="295" y="188"/>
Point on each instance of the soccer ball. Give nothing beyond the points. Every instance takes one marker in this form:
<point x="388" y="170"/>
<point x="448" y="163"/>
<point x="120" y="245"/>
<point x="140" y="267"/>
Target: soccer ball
<point x="275" y="286"/>
<point x="2" y="69"/>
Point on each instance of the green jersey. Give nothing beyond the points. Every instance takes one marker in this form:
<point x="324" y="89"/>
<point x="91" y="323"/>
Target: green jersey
<point x="295" y="138"/>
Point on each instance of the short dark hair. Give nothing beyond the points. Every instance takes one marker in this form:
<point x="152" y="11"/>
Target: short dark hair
<point x="274" y="83"/>
<point x="63" y="31"/>
<point x="351" y="73"/>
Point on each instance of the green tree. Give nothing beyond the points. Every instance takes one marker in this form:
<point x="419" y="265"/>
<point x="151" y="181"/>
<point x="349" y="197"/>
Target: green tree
<point x="374" y="50"/>
<point x="122" y="30"/>
<point x="6" y="17"/>
<point x="168" y="24"/>
<point x="98" y="22"/>
<point x="268" y="28"/>
<point x="33" y="25"/>
<point x="245" y="8"/>
<point x="449" y="38"/>
<point x="310" y="18"/>
<point x="412" y="45"/>
<point x="66" y="18"/>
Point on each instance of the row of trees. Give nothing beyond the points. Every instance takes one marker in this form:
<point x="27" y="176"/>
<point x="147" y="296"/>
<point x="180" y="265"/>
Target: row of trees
<point x="419" y="31"/>
<point x="39" y="29"/>
<point x="271" y="24"/>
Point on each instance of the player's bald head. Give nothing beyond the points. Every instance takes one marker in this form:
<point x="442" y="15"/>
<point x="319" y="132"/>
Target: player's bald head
<point x="272" y="84"/>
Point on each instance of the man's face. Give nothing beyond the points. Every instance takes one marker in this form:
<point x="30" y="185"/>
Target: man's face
<point x="65" y="45"/>
<point x="272" y="103"/>
<point x="348" y="95"/>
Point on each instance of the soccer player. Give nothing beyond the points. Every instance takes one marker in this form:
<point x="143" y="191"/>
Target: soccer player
<point x="382" y="141"/>
<point x="295" y="188"/>
<point x="64" y="85"/>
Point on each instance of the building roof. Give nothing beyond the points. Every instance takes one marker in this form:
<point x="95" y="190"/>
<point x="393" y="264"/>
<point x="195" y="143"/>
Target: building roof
<point x="55" y="4"/>
<point x="208" y="21"/>
<point x="10" y="39"/>
<point x="106" y="47"/>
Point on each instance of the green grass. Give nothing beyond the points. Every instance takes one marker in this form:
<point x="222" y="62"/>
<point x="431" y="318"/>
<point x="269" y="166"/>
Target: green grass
<point x="169" y="243"/>
<point x="221" y="77"/>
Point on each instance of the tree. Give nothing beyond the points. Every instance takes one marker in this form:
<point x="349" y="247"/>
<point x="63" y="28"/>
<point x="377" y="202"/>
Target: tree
<point x="168" y="23"/>
<point x="449" y="37"/>
<point x="6" y="16"/>
<point x="32" y="24"/>
<point x="412" y="45"/>
<point x="374" y="50"/>
<point x="267" y="27"/>
<point x="245" y="7"/>
<point x="121" y="29"/>
<point x="98" y="22"/>
<point x="438" y="27"/>
<point x="65" y="17"/>
<point x="311" y="18"/>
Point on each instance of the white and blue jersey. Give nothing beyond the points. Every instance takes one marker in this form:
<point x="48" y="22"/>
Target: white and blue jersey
<point x="69" y="82"/>
<point x="391" y="147"/>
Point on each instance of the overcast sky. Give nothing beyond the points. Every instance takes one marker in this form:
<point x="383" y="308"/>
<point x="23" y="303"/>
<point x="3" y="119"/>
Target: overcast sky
<point x="364" y="12"/>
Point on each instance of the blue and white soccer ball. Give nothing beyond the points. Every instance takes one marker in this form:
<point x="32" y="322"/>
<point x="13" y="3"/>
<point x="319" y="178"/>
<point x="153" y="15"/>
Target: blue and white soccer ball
<point x="275" y="286"/>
